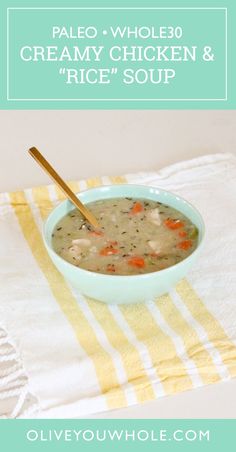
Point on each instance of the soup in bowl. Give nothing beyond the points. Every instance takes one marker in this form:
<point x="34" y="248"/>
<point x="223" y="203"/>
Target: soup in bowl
<point x="147" y="240"/>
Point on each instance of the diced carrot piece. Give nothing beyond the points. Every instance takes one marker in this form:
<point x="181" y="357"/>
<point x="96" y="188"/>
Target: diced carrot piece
<point x="137" y="208"/>
<point x="182" y="233"/>
<point x="185" y="245"/>
<point x="108" y="251"/>
<point x="173" y="224"/>
<point x="136" y="261"/>
<point x="113" y="242"/>
<point x="96" y="233"/>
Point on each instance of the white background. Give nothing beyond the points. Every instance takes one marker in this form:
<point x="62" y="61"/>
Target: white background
<point x="92" y="143"/>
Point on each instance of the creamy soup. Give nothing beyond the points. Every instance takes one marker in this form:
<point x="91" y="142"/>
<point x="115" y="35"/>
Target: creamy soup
<point x="136" y="236"/>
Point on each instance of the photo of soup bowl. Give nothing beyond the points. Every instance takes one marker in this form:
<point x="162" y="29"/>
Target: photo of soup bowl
<point x="121" y="289"/>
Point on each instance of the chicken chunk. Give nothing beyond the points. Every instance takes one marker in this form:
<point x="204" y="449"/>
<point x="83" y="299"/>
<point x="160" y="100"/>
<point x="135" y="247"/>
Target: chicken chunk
<point x="154" y="216"/>
<point x="75" y="252"/>
<point x="155" y="246"/>
<point x="85" y="243"/>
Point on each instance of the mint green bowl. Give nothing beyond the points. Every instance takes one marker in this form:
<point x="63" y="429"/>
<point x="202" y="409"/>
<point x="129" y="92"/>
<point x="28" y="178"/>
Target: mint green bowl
<point x="123" y="289"/>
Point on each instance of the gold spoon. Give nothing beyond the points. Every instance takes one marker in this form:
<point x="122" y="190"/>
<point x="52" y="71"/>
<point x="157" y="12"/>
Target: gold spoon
<point x="34" y="152"/>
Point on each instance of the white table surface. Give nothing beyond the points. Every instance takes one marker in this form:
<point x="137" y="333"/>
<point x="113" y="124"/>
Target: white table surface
<point x="218" y="134"/>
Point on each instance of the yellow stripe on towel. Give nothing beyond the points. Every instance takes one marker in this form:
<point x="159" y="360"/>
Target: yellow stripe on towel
<point x="214" y="330"/>
<point x="45" y="205"/>
<point x="169" y="367"/>
<point x="103" y="363"/>
<point x="130" y="356"/>
<point x="94" y="182"/>
<point x="194" y="348"/>
<point x="118" y="179"/>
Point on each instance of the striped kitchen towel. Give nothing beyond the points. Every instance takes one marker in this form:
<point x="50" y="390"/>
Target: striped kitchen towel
<point x="64" y="356"/>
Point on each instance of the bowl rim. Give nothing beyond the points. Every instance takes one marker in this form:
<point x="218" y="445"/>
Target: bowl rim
<point x="117" y="277"/>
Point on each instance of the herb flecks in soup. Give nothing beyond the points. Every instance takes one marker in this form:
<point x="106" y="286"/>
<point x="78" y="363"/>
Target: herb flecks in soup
<point x="137" y="236"/>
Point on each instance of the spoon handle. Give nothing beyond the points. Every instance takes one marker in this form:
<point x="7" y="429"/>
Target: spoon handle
<point x="34" y="152"/>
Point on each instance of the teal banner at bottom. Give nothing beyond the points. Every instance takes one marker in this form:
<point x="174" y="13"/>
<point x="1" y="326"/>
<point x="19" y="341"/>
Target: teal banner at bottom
<point x="86" y="435"/>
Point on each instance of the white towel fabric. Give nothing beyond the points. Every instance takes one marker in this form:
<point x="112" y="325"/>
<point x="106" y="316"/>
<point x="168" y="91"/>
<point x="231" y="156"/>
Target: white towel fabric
<point x="62" y="355"/>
